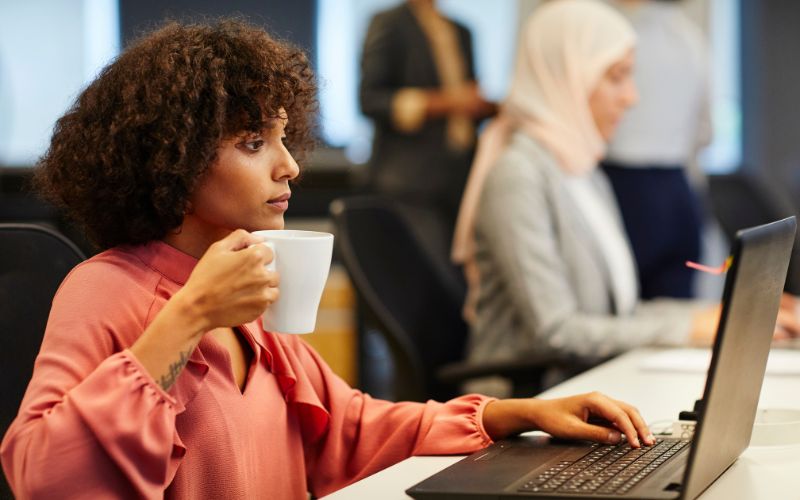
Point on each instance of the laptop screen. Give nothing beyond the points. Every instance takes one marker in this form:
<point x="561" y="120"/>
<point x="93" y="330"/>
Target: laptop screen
<point x="751" y="300"/>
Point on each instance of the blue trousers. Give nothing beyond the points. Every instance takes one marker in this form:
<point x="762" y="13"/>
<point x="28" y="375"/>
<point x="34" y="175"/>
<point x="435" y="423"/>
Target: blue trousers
<point x="663" y="218"/>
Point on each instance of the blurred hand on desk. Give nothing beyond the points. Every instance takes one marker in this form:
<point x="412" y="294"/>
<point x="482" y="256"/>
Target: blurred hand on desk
<point x="787" y="325"/>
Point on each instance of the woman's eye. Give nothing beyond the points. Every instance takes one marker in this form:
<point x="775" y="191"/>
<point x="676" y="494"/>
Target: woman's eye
<point x="254" y="145"/>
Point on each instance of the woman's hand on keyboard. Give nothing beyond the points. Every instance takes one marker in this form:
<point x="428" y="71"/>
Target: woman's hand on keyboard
<point x="574" y="417"/>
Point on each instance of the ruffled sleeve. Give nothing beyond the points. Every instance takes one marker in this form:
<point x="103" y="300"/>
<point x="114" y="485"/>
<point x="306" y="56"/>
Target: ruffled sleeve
<point x="113" y="432"/>
<point x="93" y="423"/>
<point x="353" y="435"/>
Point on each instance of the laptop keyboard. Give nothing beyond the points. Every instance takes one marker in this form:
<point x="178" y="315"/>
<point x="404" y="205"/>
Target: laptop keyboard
<point x="607" y="469"/>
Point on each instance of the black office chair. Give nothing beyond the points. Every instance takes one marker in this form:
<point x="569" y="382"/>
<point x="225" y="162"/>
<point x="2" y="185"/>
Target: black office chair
<point x="412" y="337"/>
<point x="743" y="200"/>
<point x="33" y="262"/>
<point x="434" y="233"/>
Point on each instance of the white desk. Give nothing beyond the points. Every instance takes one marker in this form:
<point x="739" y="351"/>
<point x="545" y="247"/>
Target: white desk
<point x="760" y="473"/>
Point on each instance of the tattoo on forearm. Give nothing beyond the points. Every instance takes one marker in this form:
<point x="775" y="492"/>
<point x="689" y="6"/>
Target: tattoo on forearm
<point x="175" y="369"/>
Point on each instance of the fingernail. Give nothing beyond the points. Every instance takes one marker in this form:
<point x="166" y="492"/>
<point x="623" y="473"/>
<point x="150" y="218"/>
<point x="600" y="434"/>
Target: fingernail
<point x="651" y="439"/>
<point x="635" y="442"/>
<point x="614" y="437"/>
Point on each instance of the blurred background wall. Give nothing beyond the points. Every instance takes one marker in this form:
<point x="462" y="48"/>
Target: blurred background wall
<point x="49" y="49"/>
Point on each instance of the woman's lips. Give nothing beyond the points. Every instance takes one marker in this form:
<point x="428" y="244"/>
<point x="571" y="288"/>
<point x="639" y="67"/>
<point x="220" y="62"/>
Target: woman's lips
<point x="281" y="202"/>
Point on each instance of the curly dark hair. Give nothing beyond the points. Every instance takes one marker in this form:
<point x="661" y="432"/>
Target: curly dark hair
<point x="125" y="158"/>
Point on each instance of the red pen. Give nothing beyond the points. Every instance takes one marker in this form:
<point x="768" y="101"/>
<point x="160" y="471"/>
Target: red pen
<point x="712" y="270"/>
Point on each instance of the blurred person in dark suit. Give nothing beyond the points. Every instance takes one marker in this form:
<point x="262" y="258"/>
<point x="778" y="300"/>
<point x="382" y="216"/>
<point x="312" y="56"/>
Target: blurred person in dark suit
<point x="418" y="86"/>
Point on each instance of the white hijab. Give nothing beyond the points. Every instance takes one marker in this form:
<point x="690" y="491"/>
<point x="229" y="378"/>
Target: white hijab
<point x="565" y="48"/>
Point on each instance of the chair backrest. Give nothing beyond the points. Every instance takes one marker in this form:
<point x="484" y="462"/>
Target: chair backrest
<point x="432" y="230"/>
<point x="742" y="200"/>
<point x="33" y="262"/>
<point x="404" y="297"/>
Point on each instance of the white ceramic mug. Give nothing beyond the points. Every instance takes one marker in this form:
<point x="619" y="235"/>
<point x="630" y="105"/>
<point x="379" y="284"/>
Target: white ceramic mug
<point x="303" y="259"/>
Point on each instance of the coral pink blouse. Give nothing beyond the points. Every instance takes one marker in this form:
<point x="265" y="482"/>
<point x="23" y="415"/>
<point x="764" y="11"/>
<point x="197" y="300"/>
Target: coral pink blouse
<point x="94" y="423"/>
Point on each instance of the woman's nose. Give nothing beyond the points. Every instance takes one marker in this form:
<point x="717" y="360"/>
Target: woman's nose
<point x="632" y="94"/>
<point x="287" y="168"/>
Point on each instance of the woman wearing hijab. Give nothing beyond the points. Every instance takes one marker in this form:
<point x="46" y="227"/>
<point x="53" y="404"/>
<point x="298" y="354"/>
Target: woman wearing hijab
<point x="538" y="229"/>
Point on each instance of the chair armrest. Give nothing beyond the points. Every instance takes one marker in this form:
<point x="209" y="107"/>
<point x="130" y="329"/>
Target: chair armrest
<point x="527" y="376"/>
<point x="456" y="373"/>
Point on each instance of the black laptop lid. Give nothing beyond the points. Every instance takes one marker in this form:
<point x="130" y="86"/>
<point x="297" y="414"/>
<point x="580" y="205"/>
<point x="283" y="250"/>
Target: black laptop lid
<point x="751" y="299"/>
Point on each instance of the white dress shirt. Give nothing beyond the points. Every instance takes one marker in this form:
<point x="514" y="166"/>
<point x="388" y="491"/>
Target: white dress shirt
<point x="672" y="118"/>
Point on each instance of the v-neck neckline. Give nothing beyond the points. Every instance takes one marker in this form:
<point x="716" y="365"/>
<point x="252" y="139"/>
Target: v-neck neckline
<point x="254" y="355"/>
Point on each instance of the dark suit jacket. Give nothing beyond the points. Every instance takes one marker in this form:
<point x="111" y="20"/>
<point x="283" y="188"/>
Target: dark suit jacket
<point x="419" y="164"/>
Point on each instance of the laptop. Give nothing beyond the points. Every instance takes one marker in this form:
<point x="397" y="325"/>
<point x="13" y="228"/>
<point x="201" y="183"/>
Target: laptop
<point x="673" y="468"/>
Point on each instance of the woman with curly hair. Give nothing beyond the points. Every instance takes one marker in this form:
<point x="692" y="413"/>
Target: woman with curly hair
<point x="155" y="376"/>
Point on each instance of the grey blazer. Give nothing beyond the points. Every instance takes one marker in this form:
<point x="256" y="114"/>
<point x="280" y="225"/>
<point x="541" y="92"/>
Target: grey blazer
<point x="545" y="286"/>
